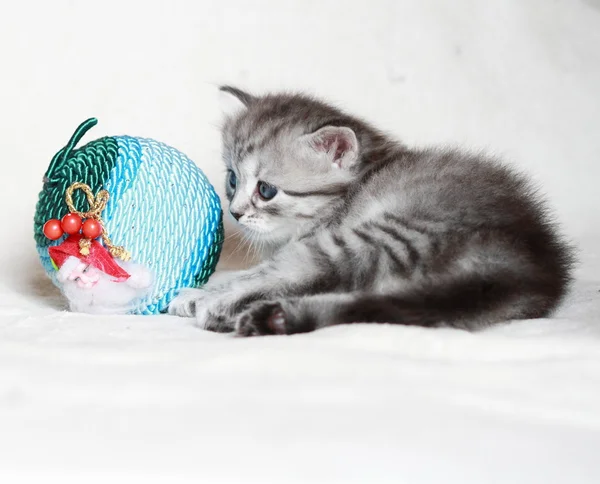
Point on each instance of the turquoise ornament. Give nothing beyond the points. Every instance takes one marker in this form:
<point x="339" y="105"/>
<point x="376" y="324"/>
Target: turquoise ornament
<point x="161" y="208"/>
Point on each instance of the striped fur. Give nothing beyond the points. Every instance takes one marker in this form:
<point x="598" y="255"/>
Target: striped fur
<point x="363" y="229"/>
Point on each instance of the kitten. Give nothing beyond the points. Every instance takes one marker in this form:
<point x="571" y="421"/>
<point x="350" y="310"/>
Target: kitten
<point x="360" y="228"/>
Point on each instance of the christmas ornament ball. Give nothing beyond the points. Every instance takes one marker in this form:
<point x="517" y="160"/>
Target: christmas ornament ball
<point x="160" y="209"/>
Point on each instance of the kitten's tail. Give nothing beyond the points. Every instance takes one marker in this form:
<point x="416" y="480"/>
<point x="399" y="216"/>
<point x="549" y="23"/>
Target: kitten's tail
<point x="468" y="303"/>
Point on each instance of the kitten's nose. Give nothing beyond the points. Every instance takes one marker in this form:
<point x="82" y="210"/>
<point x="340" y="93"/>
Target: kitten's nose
<point x="235" y="215"/>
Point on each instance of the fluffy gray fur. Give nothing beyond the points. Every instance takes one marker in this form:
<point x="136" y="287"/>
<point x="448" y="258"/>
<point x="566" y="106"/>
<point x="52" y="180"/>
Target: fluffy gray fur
<point x="364" y="229"/>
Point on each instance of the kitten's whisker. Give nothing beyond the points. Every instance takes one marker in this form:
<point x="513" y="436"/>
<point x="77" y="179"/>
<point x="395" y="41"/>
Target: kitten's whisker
<point x="239" y="245"/>
<point x="250" y="242"/>
<point x="234" y="234"/>
<point x="252" y="248"/>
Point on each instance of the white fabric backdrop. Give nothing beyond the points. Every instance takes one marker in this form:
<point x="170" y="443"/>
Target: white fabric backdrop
<point x="151" y="397"/>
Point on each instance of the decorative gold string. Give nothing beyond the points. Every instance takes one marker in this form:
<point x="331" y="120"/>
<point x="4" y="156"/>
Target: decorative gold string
<point x="96" y="206"/>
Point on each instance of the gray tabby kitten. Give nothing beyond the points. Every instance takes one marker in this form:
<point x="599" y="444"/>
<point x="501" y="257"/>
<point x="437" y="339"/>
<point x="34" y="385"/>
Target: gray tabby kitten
<point x="360" y="228"/>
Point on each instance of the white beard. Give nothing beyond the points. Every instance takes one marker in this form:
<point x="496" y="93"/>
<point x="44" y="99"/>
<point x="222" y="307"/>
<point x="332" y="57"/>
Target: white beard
<point x="100" y="294"/>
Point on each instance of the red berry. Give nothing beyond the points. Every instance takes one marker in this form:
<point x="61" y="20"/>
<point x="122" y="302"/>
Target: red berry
<point x="52" y="229"/>
<point x="92" y="228"/>
<point x="71" y="223"/>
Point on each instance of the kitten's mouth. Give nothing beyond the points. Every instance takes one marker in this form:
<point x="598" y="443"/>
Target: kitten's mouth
<point x="257" y="230"/>
<point x="252" y="226"/>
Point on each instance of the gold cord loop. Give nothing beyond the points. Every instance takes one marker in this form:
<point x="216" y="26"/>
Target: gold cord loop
<point x="96" y="205"/>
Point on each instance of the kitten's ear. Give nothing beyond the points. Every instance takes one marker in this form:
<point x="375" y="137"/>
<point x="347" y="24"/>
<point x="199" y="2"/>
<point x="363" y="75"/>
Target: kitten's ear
<point x="234" y="101"/>
<point x="338" y="143"/>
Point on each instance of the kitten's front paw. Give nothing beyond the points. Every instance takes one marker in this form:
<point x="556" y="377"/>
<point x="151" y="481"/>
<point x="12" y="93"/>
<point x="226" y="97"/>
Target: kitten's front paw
<point x="261" y="318"/>
<point x="212" y="310"/>
<point x="187" y="302"/>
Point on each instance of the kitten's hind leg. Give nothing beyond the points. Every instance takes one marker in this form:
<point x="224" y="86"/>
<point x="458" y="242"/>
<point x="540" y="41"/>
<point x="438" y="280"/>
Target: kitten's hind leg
<point x="305" y="314"/>
<point x="294" y="315"/>
<point x="466" y="303"/>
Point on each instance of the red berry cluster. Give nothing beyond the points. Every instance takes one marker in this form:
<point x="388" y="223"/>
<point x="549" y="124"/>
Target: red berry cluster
<point x="71" y="224"/>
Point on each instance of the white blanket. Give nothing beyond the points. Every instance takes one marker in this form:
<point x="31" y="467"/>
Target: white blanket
<point x="142" y="397"/>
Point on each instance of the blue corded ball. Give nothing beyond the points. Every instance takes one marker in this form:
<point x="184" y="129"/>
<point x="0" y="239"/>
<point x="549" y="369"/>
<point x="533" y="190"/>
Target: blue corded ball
<point x="161" y="222"/>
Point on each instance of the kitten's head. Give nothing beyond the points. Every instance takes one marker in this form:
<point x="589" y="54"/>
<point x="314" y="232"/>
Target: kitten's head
<point x="289" y="160"/>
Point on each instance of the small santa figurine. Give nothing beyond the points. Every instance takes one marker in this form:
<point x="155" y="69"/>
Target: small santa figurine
<point x="92" y="278"/>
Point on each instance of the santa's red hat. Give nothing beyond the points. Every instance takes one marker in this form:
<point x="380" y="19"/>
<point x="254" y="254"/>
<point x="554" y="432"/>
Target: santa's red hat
<point x="98" y="257"/>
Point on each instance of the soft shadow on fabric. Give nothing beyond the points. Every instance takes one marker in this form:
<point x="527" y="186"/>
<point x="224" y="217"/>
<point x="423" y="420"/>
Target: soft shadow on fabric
<point x="593" y="3"/>
<point x="33" y="282"/>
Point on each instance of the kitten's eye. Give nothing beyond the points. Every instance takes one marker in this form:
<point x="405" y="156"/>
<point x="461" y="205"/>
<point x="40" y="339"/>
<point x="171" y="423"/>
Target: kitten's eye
<point x="232" y="180"/>
<point x="266" y="191"/>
